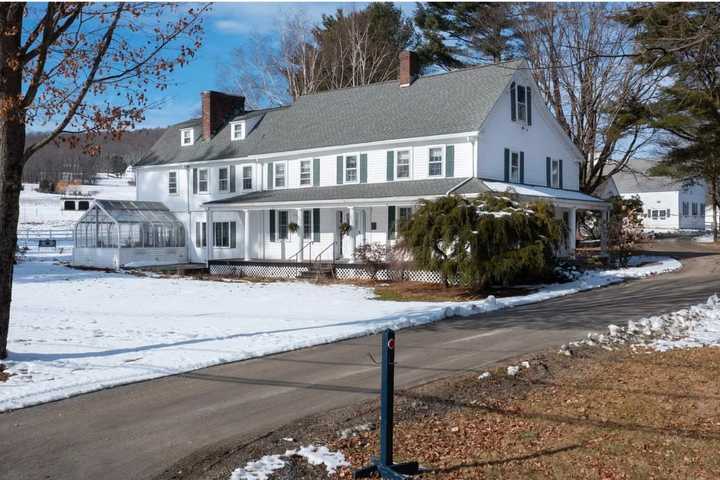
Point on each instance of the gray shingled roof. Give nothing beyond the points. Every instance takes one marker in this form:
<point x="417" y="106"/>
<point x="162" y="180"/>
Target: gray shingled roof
<point x="412" y="188"/>
<point x="453" y="102"/>
<point x="634" y="179"/>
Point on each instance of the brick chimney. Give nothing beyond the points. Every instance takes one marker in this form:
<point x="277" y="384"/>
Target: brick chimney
<point x="217" y="108"/>
<point x="409" y="67"/>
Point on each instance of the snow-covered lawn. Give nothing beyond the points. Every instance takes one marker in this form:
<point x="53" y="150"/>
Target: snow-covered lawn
<point x="76" y="331"/>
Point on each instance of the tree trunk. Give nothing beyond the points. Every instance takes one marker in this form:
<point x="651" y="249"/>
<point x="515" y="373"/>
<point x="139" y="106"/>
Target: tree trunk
<point x="12" y="150"/>
<point x="714" y="193"/>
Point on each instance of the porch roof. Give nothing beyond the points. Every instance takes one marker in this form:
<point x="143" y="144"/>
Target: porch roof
<point x="399" y="189"/>
<point x="538" y="192"/>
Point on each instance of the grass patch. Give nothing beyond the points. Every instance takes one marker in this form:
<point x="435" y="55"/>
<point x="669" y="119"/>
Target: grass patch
<point x="427" y="292"/>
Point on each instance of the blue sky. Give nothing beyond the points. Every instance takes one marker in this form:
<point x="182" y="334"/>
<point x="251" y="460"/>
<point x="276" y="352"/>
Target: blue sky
<point x="227" y="27"/>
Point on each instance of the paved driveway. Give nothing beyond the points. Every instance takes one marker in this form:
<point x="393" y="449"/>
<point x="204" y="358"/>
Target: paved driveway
<point x="136" y="431"/>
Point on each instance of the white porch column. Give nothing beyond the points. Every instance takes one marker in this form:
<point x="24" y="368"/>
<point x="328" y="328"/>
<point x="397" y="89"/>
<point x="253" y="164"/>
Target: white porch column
<point x="353" y="230"/>
<point x="572" y="230"/>
<point x="300" y="232"/>
<point x="209" y="235"/>
<point x="246" y="234"/>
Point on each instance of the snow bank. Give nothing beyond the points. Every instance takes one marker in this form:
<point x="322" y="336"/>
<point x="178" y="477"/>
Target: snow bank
<point x="76" y="331"/>
<point x="315" y="455"/>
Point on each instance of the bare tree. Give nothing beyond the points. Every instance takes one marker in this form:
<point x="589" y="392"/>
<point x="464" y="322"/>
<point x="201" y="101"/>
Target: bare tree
<point x="81" y="68"/>
<point x="583" y="61"/>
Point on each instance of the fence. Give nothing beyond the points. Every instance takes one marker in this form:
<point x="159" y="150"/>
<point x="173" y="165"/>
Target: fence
<point x="31" y="237"/>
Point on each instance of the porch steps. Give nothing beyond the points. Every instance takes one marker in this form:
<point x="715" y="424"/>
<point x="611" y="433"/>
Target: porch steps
<point x="319" y="270"/>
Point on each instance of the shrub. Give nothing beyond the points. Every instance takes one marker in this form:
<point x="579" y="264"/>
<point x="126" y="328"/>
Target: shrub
<point x="373" y="256"/>
<point x="488" y="240"/>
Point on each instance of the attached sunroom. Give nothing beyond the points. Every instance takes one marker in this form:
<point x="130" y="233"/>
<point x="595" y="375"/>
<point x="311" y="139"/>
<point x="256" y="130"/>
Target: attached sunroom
<point x="116" y="234"/>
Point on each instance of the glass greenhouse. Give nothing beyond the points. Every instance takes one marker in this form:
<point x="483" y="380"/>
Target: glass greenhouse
<point x="114" y="234"/>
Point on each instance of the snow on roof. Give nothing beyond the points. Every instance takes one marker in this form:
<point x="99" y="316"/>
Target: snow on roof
<point x="541" y="192"/>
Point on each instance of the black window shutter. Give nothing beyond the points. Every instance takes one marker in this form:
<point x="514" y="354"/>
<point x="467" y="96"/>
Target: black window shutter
<point x="195" y="180"/>
<point x="232" y="178"/>
<point x="363" y="168"/>
<point x="522" y="167"/>
<point x="561" y="172"/>
<point x="316" y="224"/>
<point x="391" y="222"/>
<point x="548" y="171"/>
<point x="390" y="165"/>
<point x="198" y="233"/>
<point x="507" y="164"/>
<point x="513" y="114"/>
<point x="450" y="161"/>
<point x="270" y="179"/>
<point x="528" y="99"/>
<point x="339" y="163"/>
<point x="233" y="233"/>
<point x="316" y="172"/>
<point x="272" y="225"/>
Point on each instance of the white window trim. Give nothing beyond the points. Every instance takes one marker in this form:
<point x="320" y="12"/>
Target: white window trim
<point x="510" y="173"/>
<point x="277" y="226"/>
<point x="410" y="163"/>
<point x="230" y="242"/>
<point x="242" y="135"/>
<point x="183" y="143"/>
<point x="242" y="177"/>
<point x="553" y="183"/>
<point x="207" y="190"/>
<point x="517" y="104"/>
<point x="357" y="168"/>
<point x="310" y="184"/>
<point x="227" y="180"/>
<point x="442" y="163"/>
<point x="177" y="191"/>
<point x="275" y="176"/>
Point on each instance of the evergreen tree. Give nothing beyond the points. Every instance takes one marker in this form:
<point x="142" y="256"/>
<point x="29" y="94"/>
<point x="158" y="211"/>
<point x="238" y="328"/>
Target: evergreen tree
<point x="455" y="34"/>
<point x="683" y="41"/>
<point x="483" y="241"/>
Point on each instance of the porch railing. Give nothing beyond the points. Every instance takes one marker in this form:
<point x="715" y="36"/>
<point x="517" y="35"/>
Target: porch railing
<point x="319" y="256"/>
<point x="296" y="255"/>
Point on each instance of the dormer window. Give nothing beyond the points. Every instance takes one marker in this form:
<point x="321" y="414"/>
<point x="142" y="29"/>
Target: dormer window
<point x="237" y="131"/>
<point x="186" y="137"/>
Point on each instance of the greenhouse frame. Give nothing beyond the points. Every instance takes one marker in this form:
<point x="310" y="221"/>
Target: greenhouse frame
<point x="117" y="234"/>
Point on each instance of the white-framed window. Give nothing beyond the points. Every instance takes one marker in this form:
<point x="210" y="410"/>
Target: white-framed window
<point x="555" y="173"/>
<point x="280" y="171"/>
<point x="237" y="130"/>
<point x="435" y="162"/>
<point x="402" y="167"/>
<point x="282" y="225"/>
<point x="307" y="224"/>
<point x="686" y="209"/>
<point x="694" y="209"/>
<point x="247" y="180"/>
<point x="223" y="179"/>
<point x="515" y="167"/>
<point x="655" y="214"/>
<point x="224" y="234"/>
<point x="203" y="180"/>
<point x="702" y="209"/>
<point x="521" y="103"/>
<point x="200" y="234"/>
<point x="663" y="214"/>
<point x="351" y="169"/>
<point x="187" y="137"/>
<point x="305" y="172"/>
<point x="172" y="183"/>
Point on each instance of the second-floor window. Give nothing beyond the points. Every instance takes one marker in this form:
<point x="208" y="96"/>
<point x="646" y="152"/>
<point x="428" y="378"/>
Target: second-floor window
<point x="280" y="175"/>
<point x="203" y="180"/>
<point x="172" y="183"/>
<point x="403" y="164"/>
<point x="186" y="137"/>
<point x="247" y="177"/>
<point x="435" y="162"/>
<point x="305" y="172"/>
<point x="555" y="173"/>
<point x="223" y="179"/>
<point x="515" y="167"/>
<point x="351" y="169"/>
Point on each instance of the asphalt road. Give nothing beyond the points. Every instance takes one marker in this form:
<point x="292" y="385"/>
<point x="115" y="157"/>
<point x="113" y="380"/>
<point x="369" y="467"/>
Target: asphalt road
<point x="136" y="431"/>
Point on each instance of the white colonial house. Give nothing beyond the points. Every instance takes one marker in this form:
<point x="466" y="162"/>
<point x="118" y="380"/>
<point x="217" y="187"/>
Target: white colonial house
<point x="275" y="185"/>
<point x="668" y="205"/>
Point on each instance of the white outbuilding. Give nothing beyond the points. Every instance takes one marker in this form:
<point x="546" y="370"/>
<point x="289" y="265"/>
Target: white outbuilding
<point x="116" y="234"/>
